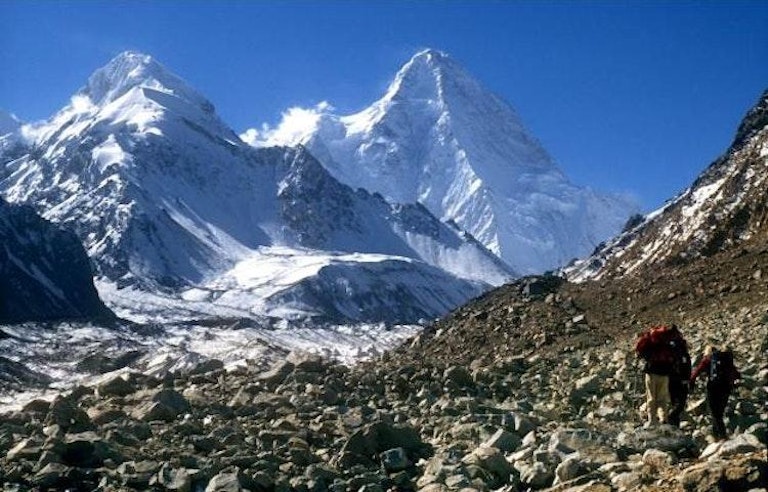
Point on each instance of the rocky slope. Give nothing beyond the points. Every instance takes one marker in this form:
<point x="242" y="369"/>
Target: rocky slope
<point x="724" y="207"/>
<point x="44" y="272"/>
<point x="527" y="389"/>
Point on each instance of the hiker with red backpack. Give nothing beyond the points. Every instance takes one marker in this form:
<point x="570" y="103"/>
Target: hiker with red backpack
<point x="721" y="378"/>
<point x="654" y="348"/>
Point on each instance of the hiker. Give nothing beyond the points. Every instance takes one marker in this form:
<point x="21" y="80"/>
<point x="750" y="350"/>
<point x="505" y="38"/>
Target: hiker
<point x="653" y="347"/>
<point x="679" y="375"/>
<point x="721" y="377"/>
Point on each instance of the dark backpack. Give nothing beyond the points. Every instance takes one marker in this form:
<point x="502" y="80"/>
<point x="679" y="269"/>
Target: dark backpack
<point x="721" y="367"/>
<point x="681" y="367"/>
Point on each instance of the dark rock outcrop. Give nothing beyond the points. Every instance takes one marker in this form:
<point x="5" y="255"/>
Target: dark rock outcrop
<point x="45" y="273"/>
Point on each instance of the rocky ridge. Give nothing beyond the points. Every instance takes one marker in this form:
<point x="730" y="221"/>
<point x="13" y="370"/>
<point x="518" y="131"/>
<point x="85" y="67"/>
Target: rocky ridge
<point x="44" y="271"/>
<point x="724" y="207"/>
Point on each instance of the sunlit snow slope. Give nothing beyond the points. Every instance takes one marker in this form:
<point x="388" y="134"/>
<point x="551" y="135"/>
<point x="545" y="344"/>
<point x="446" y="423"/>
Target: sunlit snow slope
<point x="166" y="198"/>
<point x="440" y="138"/>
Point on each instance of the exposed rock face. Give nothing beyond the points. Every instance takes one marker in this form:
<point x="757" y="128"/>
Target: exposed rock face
<point x="725" y="207"/>
<point x="44" y="271"/>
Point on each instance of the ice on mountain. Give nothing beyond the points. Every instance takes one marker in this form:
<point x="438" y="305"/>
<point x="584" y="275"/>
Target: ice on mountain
<point x="132" y="69"/>
<point x="438" y="137"/>
<point x="165" y="196"/>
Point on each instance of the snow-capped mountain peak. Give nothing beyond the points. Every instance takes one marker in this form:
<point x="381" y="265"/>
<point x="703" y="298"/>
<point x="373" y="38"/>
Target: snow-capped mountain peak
<point x="131" y="69"/>
<point x="166" y="197"/>
<point x="440" y="138"/>
<point x="420" y="78"/>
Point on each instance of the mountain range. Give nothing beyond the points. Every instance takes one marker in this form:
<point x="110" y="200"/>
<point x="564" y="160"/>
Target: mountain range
<point x="168" y="200"/>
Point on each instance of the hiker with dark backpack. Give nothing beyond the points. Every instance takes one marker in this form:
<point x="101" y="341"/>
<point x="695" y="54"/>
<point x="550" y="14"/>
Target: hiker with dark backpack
<point x="653" y="348"/>
<point x="679" y="376"/>
<point x="721" y="376"/>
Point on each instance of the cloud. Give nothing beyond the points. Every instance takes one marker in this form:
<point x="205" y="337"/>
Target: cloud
<point x="29" y="133"/>
<point x="81" y="103"/>
<point x="295" y="125"/>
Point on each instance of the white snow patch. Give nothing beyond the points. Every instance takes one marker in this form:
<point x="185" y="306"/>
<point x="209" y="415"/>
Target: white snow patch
<point x="109" y="153"/>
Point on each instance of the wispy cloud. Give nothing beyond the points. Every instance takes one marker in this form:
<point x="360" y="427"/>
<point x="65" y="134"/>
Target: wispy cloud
<point x="295" y="125"/>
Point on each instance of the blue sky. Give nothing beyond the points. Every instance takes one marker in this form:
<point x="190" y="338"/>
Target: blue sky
<point x="628" y="96"/>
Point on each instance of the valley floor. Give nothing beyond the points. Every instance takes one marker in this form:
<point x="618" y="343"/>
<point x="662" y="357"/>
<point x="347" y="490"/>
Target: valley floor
<point x="556" y="416"/>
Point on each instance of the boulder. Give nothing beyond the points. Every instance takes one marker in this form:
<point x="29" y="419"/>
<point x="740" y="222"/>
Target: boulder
<point x="101" y="416"/>
<point x="380" y="436"/>
<point x="395" y="459"/>
<point x="116" y="386"/>
<point x="492" y="460"/>
<point x="137" y="475"/>
<point x="458" y="376"/>
<point x="52" y="475"/>
<point x="750" y="473"/>
<point x="172" y="399"/>
<point x="86" y="449"/>
<point x="536" y="475"/>
<point x="37" y="406"/>
<point x="657" y="459"/>
<point x="165" y="405"/>
<point x="736" y="445"/>
<point x="276" y="375"/>
<point x="306" y="362"/>
<point x="569" y="469"/>
<point x="29" y="449"/>
<point x="522" y="424"/>
<point x="662" y="437"/>
<point x="66" y="414"/>
<point x="585" y="386"/>
<point x="593" y="452"/>
<point x="152" y="411"/>
<point x="503" y="440"/>
<point x="627" y="481"/>
<point x="171" y="478"/>
<point x="226" y="481"/>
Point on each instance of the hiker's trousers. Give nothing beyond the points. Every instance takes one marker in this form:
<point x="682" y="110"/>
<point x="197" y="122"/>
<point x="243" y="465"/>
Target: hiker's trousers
<point x="657" y="397"/>
<point x="717" y="400"/>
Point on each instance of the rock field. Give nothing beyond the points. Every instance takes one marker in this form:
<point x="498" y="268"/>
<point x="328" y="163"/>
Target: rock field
<point x="533" y="386"/>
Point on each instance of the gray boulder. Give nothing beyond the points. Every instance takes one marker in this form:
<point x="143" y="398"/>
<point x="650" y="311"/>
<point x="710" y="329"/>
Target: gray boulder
<point x="171" y="478"/>
<point x="226" y="481"/>
<point x="395" y="459"/>
<point x="504" y="440"/>
<point x="116" y="386"/>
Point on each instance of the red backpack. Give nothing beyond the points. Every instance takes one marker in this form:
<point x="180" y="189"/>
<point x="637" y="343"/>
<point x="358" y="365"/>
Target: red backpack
<point x="651" y="341"/>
